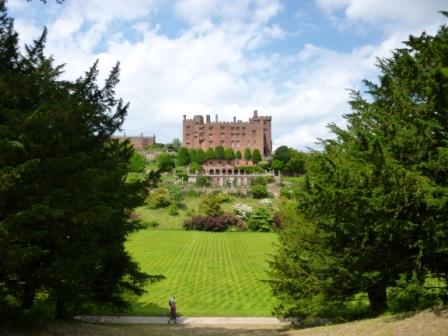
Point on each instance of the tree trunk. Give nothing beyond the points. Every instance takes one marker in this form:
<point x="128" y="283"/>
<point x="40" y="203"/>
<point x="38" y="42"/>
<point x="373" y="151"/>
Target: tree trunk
<point x="28" y="298"/>
<point x="60" y="308"/>
<point x="378" y="298"/>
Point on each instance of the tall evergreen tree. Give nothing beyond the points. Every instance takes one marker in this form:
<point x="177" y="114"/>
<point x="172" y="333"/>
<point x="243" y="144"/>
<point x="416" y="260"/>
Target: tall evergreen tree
<point x="64" y="204"/>
<point x="376" y="198"/>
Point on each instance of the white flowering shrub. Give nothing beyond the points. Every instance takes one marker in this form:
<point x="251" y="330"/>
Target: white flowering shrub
<point x="243" y="211"/>
<point x="266" y="202"/>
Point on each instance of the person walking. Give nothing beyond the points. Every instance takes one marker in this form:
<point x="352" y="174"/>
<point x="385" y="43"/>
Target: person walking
<point x="172" y="304"/>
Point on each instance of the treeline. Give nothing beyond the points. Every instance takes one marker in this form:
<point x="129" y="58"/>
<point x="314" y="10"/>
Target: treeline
<point x="65" y="204"/>
<point x="370" y="220"/>
<point x="187" y="156"/>
<point x="289" y="161"/>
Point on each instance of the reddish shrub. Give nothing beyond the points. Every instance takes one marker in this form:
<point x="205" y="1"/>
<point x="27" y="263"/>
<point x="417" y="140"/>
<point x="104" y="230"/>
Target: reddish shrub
<point x="213" y="223"/>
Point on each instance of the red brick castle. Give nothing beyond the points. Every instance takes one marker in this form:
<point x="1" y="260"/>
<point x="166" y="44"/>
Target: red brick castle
<point x="238" y="135"/>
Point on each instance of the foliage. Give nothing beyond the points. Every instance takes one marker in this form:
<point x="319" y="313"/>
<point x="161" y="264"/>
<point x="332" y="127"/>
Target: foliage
<point x="176" y="193"/>
<point x="243" y="211"/>
<point x="247" y="154"/>
<point x="210" y="205"/>
<point x="256" y="156"/>
<point x="158" y="198"/>
<point x="259" y="180"/>
<point x="238" y="154"/>
<point x="374" y="202"/>
<point x="200" y="156"/>
<point x="64" y="204"/>
<point x="295" y="165"/>
<point x="260" y="220"/>
<point x="202" y="181"/>
<point x="137" y="162"/>
<point x="210" y="154"/>
<point x="219" y="152"/>
<point x="259" y="191"/>
<point x="266" y="202"/>
<point x="276" y="165"/>
<point x="165" y="162"/>
<point x="176" y="143"/>
<point x="173" y="210"/>
<point x="250" y="169"/>
<point x="183" y="157"/>
<point x="194" y="167"/>
<point x="212" y="223"/>
<point x="229" y="154"/>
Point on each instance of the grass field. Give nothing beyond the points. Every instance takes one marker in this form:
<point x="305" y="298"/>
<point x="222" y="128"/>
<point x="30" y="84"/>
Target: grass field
<point x="211" y="274"/>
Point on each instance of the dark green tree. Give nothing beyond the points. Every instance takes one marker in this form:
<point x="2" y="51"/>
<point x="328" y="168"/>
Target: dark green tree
<point x="229" y="154"/>
<point x="376" y="198"/>
<point x="192" y="153"/>
<point x="165" y="162"/>
<point x="219" y="152"/>
<point x="183" y="157"/>
<point x="256" y="156"/>
<point x="238" y="154"/>
<point x="247" y="154"/>
<point x="296" y="164"/>
<point x="210" y="154"/>
<point x="137" y="163"/>
<point x="283" y="154"/>
<point x="65" y="204"/>
<point x="200" y="156"/>
<point x="276" y="165"/>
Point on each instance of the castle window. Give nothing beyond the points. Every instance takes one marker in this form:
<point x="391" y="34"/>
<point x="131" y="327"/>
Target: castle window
<point x="254" y="132"/>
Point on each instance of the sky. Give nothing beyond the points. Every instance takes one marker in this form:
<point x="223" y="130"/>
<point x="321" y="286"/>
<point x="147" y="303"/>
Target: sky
<point x="294" y="60"/>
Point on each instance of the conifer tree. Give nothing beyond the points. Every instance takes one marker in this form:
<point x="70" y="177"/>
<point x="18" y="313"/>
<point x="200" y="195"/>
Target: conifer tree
<point x="374" y="207"/>
<point x="65" y="204"/>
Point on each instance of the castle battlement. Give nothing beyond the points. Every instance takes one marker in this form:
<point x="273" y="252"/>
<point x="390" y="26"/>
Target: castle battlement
<point x="236" y="134"/>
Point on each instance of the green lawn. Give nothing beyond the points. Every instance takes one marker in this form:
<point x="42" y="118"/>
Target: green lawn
<point x="211" y="274"/>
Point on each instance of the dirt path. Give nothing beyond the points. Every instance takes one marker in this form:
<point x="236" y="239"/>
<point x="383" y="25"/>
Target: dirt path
<point x="183" y="320"/>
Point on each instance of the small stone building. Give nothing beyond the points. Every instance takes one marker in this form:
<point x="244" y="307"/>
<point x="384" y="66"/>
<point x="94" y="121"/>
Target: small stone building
<point x="139" y="142"/>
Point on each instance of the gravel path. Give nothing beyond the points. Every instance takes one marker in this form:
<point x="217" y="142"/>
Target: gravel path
<point x="182" y="320"/>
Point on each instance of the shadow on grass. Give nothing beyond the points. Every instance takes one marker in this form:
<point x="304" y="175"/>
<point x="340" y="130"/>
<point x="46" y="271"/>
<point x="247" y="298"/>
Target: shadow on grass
<point x="86" y="329"/>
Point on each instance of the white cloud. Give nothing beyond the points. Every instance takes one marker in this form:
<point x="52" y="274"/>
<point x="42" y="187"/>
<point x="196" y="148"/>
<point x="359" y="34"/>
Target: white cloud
<point x="215" y="64"/>
<point x="392" y="14"/>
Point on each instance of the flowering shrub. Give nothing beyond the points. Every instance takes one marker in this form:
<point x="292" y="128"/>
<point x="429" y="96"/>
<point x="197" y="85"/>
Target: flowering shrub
<point x="266" y="202"/>
<point x="243" y="211"/>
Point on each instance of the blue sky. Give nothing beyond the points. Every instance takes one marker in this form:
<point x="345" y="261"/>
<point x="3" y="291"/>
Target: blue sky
<point x="291" y="59"/>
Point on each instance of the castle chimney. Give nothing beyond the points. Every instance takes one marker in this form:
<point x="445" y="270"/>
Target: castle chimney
<point x="234" y="119"/>
<point x="185" y="117"/>
<point x="216" y="118"/>
<point x="207" y="118"/>
<point x="255" y="114"/>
